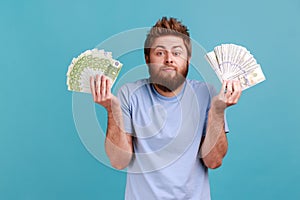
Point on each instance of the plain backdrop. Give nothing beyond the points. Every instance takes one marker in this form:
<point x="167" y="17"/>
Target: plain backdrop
<point x="41" y="155"/>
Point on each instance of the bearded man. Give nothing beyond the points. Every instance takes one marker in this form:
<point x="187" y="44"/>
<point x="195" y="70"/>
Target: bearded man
<point x="166" y="129"/>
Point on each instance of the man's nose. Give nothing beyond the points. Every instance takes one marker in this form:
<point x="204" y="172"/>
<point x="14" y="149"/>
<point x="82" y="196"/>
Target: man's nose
<point x="168" y="58"/>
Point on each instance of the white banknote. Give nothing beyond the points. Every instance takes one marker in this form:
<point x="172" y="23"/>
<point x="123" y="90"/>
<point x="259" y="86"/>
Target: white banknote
<point x="233" y="62"/>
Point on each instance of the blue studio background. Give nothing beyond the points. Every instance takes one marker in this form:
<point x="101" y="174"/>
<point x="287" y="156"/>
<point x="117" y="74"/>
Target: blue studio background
<point x="41" y="155"/>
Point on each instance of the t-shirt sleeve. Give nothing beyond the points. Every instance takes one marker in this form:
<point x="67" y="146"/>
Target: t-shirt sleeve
<point x="124" y="98"/>
<point x="212" y="93"/>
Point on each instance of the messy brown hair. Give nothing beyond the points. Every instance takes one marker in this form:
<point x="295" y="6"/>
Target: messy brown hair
<point x="165" y="26"/>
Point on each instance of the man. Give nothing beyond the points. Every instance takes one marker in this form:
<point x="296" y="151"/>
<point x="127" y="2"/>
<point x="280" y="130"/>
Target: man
<point x="167" y="130"/>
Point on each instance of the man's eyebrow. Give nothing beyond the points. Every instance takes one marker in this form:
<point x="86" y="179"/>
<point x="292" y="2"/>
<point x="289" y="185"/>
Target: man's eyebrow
<point x="163" y="47"/>
<point x="178" y="46"/>
<point x="159" y="46"/>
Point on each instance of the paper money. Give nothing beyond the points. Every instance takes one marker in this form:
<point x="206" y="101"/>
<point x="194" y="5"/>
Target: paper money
<point x="233" y="62"/>
<point x="90" y="63"/>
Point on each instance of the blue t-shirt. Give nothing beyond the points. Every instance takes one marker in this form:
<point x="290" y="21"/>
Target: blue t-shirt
<point x="166" y="138"/>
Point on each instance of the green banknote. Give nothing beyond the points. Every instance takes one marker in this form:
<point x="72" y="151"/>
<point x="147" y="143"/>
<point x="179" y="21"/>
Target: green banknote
<point x="90" y="63"/>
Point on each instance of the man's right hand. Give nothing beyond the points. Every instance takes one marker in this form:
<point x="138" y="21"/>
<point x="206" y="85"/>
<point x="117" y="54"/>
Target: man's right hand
<point x="101" y="91"/>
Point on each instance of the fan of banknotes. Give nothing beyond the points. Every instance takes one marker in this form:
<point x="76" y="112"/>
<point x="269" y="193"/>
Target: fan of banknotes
<point x="233" y="62"/>
<point x="90" y="63"/>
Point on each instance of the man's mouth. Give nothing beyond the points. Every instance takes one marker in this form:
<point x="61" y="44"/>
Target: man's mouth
<point x="168" y="69"/>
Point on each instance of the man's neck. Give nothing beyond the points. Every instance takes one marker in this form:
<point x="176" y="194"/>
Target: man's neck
<point x="168" y="93"/>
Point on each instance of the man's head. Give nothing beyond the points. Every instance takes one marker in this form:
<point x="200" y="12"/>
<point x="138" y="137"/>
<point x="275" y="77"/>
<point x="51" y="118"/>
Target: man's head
<point x="167" y="52"/>
<point x="164" y="27"/>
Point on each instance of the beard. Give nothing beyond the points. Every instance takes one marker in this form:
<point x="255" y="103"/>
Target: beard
<point x="168" y="82"/>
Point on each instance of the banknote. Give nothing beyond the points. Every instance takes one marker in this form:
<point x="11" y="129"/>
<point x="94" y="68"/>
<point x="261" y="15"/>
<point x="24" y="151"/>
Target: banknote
<point x="90" y="63"/>
<point x="234" y="62"/>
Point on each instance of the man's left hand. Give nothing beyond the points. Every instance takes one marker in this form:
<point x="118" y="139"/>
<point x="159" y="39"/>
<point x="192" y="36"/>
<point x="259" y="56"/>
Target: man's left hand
<point x="228" y="96"/>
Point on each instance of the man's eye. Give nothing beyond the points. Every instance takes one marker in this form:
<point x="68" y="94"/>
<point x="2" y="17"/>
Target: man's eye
<point x="176" y="53"/>
<point x="159" y="53"/>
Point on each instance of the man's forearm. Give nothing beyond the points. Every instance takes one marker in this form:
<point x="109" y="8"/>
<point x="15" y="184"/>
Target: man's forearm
<point x="214" y="146"/>
<point x="118" y="144"/>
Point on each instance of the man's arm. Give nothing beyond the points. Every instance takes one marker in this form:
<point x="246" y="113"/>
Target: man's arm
<point x="118" y="144"/>
<point x="214" y="145"/>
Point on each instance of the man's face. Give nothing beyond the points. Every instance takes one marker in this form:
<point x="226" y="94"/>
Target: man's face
<point x="168" y="62"/>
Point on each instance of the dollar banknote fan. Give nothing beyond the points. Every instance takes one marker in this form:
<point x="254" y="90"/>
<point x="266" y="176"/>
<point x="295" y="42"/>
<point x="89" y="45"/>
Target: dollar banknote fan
<point x="234" y="62"/>
<point x="90" y="63"/>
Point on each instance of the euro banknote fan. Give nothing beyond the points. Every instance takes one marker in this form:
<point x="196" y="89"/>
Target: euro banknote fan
<point x="90" y="63"/>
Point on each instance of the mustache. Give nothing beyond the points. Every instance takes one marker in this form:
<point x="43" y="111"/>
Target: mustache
<point x="164" y="67"/>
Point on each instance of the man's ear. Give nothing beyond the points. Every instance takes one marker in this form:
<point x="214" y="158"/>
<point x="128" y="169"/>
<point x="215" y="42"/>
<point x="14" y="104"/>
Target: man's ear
<point x="147" y="59"/>
<point x="188" y="60"/>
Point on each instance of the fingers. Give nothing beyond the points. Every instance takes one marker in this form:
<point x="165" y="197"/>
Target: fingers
<point x="224" y="88"/>
<point x="237" y="91"/>
<point x="97" y="86"/>
<point x="232" y="91"/>
<point x="108" y="87"/>
<point x="229" y="89"/>
<point x="100" y="88"/>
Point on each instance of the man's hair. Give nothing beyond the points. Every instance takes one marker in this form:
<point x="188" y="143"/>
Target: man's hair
<point x="165" y="26"/>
